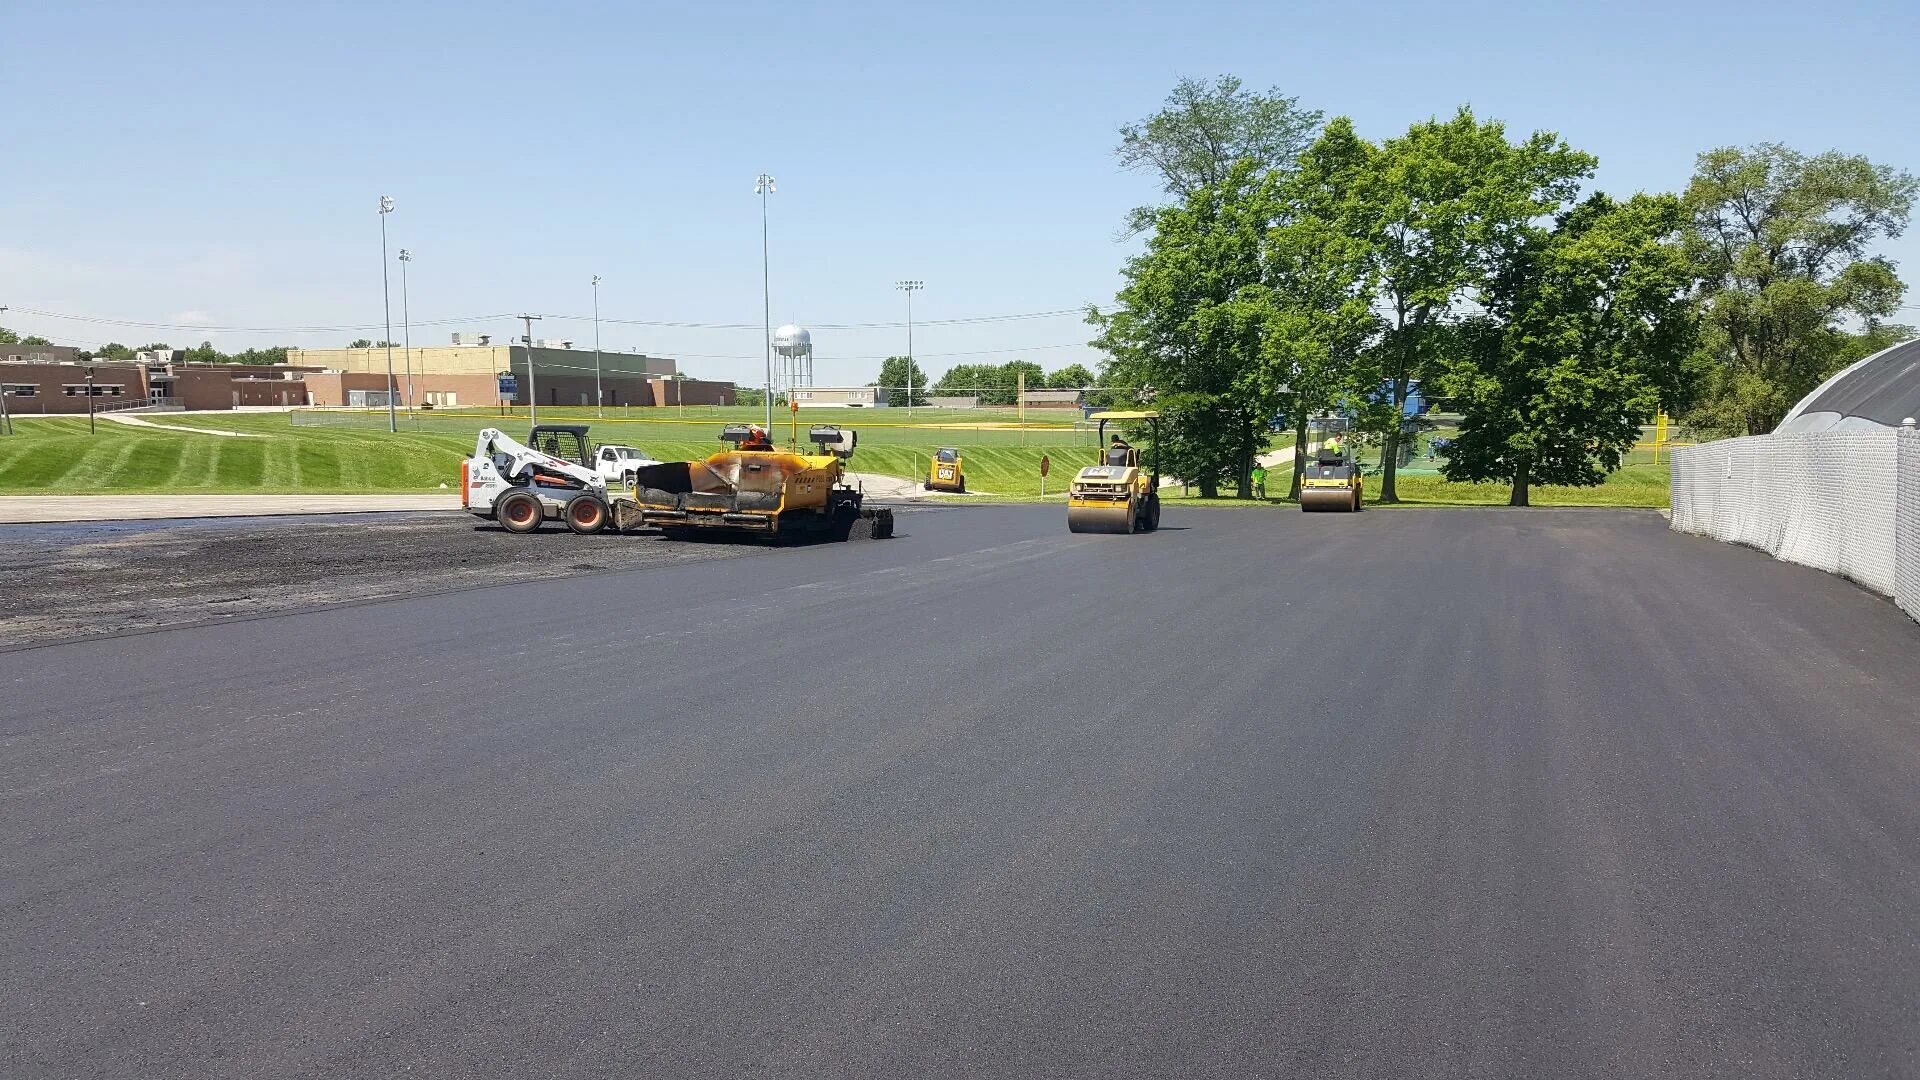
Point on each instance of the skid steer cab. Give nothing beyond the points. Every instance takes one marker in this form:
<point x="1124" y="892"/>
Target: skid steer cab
<point x="1117" y="494"/>
<point x="547" y="478"/>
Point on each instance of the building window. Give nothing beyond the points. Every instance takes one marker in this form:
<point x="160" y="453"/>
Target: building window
<point x="21" y="389"/>
<point x="99" y="389"/>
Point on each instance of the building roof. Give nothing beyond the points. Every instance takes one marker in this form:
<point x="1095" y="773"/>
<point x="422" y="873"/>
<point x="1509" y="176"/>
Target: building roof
<point x="1878" y="392"/>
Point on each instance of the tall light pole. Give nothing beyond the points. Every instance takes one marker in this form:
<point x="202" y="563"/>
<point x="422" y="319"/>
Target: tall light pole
<point x="386" y="207"/>
<point x="406" y="324"/>
<point x="599" y="407"/>
<point x="533" y="392"/>
<point x="909" y="287"/>
<point x="764" y="187"/>
<point x="6" y="421"/>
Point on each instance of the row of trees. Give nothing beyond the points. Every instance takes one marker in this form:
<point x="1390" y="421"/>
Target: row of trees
<point x="1301" y="269"/>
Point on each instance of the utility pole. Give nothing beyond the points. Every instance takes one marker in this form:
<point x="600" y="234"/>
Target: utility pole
<point x="406" y="323"/>
<point x="89" y="399"/>
<point x="764" y="187"/>
<point x="386" y="207"/>
<point x="533" y="392"/>
<point x="910" y="287"/>
<point x="599" y="406"/>
<point x="6" y="420"/>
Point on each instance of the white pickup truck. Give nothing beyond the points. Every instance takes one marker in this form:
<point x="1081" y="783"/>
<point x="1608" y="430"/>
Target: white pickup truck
<point x="616" y="464"/>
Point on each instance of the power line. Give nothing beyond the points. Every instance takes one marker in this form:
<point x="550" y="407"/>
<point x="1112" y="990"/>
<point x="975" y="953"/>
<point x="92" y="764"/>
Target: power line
<point x="968" y="320"/>
<point x="212" y="329"/>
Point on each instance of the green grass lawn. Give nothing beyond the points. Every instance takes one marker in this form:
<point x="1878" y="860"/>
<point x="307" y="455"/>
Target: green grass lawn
<point x="1629" y="486"/>
<point x="347" y="453"/>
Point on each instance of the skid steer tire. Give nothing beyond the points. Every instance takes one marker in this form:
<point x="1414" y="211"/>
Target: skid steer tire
<point x="586" y="514"/>
<point x="519" y="512"/>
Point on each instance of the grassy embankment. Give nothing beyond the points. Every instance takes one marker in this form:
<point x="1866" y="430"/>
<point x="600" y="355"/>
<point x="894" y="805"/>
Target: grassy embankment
<point x="353" y="453"/>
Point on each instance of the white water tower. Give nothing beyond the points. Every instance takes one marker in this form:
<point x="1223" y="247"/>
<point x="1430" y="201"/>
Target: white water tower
<point x="793" y="347"/>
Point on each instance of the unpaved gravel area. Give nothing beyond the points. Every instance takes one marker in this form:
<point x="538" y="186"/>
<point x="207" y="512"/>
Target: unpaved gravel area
<point x="88" y="579"/>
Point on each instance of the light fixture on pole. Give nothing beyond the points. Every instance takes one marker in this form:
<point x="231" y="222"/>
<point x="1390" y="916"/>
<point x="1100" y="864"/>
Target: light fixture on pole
<point x="599" y="406"/>
<point x="763" y="186"/>
<point x="386" y="207"/>
<point x="909" y="287"/>
<point x="533" y="392"/>
<point x="406" y="324"/>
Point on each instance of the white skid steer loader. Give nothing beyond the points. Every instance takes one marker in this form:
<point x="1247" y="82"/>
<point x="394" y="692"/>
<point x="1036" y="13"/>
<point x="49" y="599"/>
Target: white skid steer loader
<point x="522" y="486"/>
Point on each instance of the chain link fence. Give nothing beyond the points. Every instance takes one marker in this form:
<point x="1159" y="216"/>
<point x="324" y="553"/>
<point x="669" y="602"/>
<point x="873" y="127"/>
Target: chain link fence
<point x="1847" y="503"/>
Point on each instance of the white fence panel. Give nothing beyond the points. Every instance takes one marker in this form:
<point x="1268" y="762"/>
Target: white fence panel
<point x="1844" y="502"/>
<point x="1906" y="526"/>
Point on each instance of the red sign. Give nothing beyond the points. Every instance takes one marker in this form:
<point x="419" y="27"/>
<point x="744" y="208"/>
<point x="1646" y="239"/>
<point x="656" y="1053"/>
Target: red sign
<point x="1046" y="465"/>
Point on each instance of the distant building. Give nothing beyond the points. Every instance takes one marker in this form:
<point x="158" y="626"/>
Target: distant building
<point x="1051" y="399"/>
<point x="469" y="371"/>
<point x="938" y="401"/>
<point x="838" y="397"/>
<point x="39" y="354"/>
<point x="154" y="380"/>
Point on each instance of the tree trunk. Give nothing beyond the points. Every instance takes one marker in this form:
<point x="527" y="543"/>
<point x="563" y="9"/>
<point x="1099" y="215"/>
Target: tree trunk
<point x="1209" y="487"/>
<point x="1245" y="468"/>
<point x="1390" y="445"/>
<point x="1522" y="479"/>
<point x="1299" y="452"/>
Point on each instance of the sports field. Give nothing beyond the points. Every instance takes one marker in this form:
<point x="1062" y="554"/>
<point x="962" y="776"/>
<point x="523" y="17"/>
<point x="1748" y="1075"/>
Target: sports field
<point x="340" y="452"/>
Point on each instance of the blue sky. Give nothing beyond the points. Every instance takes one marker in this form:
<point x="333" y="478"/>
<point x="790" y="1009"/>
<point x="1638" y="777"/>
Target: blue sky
<point x="220" y="163"/>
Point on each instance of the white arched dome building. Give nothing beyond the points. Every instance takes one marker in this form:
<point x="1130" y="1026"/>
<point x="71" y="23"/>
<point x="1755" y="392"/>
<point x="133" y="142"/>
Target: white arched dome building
<point x="1879" y="392"/>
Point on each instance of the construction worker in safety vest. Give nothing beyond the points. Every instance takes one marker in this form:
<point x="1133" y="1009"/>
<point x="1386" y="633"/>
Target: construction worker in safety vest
<point x="757" y="439"/>
<point x="1333" y="446"/>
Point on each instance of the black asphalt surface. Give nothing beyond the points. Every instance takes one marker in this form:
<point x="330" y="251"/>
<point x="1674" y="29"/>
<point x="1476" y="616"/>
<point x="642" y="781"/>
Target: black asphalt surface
<point x="1402" y="794"/>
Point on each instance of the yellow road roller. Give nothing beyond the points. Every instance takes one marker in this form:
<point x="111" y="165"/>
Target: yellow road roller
<point x="1331" y="481"/>
<point x="944" y="472"/>
<point x="1117" y="495"/>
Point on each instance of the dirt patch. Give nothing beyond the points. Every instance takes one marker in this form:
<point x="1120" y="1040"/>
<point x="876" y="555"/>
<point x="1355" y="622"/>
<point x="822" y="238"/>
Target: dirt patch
<point x="83" y="580"/>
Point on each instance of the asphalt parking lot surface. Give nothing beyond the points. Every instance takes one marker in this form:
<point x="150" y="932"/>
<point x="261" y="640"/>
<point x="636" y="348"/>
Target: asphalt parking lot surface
<point x="1426" y="793"/>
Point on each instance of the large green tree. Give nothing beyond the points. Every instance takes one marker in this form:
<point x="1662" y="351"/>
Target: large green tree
<point x="1781" y="243"/>
<point x="897" y="373"/>
<point x="1204" y="129"/>
<point x="1181" y="332"/>
<point x="1071" y="377"/>
<point x="1318" y="284"/>
<point x="1448" y="198"/>
<point x="1586" y="329"/>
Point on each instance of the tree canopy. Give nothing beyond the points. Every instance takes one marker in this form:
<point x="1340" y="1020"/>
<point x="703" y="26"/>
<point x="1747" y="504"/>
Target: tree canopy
<point x="1781" y="242"/>
<point x="1203" y="129"/>
<point x="896" y="374"/>
<point x="1584" y="332"/>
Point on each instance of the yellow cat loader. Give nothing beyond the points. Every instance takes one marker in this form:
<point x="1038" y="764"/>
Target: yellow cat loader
<point x="1117" y="495"/>
<point x="756" y="490"/>
<point x="945" y="473"/>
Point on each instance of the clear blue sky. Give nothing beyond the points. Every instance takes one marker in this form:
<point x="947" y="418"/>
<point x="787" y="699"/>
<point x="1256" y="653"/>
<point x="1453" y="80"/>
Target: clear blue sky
<point x="220" y="163"/>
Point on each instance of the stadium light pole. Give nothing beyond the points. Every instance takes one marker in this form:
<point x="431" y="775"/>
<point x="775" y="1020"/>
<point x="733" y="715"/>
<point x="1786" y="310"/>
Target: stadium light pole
<point x="533" y="392"/>
<point x="406" y="324"/>
<point x="386" y="302"/>
<point x="909" y="287"/>
<point x="6" y="420"/>
<point x="599" y="406"/>
<point x="763" y="186"/>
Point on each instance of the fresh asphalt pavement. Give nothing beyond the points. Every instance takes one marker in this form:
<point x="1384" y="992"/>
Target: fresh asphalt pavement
<point x="1434" y="794"/>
